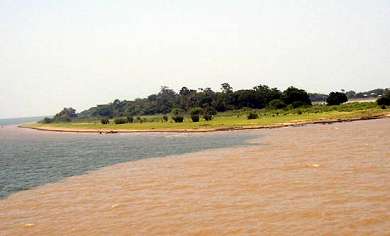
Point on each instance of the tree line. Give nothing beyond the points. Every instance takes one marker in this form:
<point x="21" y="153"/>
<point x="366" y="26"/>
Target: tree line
<point x="186" y="99"/>
<point x="201" y="102"/>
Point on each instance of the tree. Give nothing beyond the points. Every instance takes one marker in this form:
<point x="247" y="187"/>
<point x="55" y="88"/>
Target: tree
<point x="226" y="88"/>
<point x="385" y="99"/>
<point x="266" y="94"/>
<point x="292" y="94"/>
<point x="184" y="98"/>
<point x="247" y="98"/>
<point x="336" y="98"/>
<point x="350" y="94"/>
<point x="104" y="111"/>
<point x="225" y="98"/>
<point x="66" y="115"/>
<point x="166" y="99"/>
<point x="277" y="104"/>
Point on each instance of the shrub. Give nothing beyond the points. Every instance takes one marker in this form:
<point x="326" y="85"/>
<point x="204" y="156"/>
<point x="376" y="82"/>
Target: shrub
<point x="139" y="119"/>
<point x="196" y="111"/>
<point x="384" y="100"/>
<point x="177" y="115"/>
<point x="207" y="117"/>
<point x="297" y="104"/>
<point x="336" y="98"/>
<point x="105" y="121"/>
<point x="383" y="106"/>
<point x="195" y="114"/>
<point x="130" y="119"/>
<point x="277" y="104"/>
<point x="165" y="118"/>
<point x="195" y="118"/>
<point x="119" y="121"/>
<point x="208" y="113"/>
<point x="252" y="116"/>
<point x="178" y="118"/>
<point x="46" y="120"/>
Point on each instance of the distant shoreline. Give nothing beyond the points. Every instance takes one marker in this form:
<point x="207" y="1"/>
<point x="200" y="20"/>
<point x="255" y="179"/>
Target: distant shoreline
<point x="200" y="130"/>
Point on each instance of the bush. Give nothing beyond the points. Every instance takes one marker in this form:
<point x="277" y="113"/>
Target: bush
<point x="252" y="116"/>
<point x="277" y="104"/>
<point x="196" y="111"/>
<point x="336" y="98"/>
<point x="208" y="113"/>
<point x="384" y="100"/>
<point x="130" y="119"/>
<point x="165" y="118"/>
<point x="47" y="120"/>
<point x="207" y="117"/>
<point x="119" y="121"/>
<point x="177" y="115"/>
<point x="105" y="121"/>
<point x="297" y="104"/>
<point x="195" y="118"/>
<point x="178" y="118"/>
<point x="195" y="114"/>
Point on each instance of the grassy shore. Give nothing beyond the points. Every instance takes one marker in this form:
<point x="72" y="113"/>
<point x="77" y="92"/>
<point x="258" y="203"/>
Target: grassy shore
<point x="231" y="120"/>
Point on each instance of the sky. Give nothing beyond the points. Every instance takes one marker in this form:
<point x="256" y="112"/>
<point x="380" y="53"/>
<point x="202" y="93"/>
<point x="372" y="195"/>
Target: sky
<point x="73" y="53"/>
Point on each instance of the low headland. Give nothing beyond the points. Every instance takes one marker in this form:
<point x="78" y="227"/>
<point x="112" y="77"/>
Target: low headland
<point x="204" y="110"/>
<point x="230" y="120"/>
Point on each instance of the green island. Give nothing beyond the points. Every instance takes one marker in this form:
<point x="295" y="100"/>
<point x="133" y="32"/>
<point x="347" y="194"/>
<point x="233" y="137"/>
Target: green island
<point x="205" y="110"/>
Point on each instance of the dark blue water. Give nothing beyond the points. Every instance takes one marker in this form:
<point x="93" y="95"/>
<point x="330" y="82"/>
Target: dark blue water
<point x="30" y="158"/>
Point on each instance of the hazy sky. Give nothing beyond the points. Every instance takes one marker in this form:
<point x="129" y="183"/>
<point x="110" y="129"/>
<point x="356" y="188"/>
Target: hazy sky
<point x="82" y="53"/>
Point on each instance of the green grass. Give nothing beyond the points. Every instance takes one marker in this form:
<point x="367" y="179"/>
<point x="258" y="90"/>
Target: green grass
<point x="238" y="118"/>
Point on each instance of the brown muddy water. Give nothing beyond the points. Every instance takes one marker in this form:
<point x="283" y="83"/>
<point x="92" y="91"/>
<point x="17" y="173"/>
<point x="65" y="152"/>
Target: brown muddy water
<point x="311" y="180"/>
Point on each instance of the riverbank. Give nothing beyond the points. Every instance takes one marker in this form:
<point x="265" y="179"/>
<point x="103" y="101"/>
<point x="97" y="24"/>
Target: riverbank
<point x="213" y="126"/>
<point x="316" y="180"/>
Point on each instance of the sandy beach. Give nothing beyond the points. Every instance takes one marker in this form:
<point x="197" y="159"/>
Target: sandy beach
<point x="318" y="179"/>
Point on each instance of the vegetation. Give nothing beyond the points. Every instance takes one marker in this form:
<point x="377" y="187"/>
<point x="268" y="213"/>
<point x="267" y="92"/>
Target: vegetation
<point x="120" y="121"/>
<point x="186" y="99"/>
<point x="177" y="115"/>
<point x="105" y="121"/>
<point x="208" y="113"/>
<point x="277" y="104"/>
<point x="204" y="108"/>
<point x="336" y="98"/>
<point x="195" y="114"/>
<point x="130" y="119"/>
<point x="237" y="118"/>
<point x="375" y="93"/>
<point x="252" y="116"/>
<point x="385" y="99"/>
